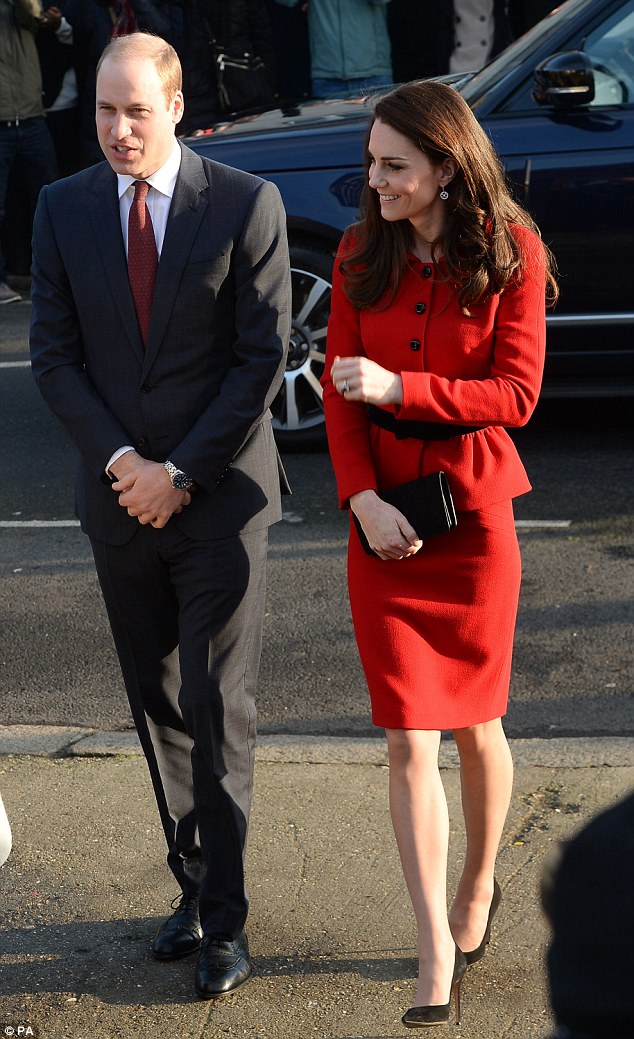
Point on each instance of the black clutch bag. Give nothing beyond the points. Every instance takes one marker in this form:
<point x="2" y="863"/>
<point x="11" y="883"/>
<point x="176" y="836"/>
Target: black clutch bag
<point x="426" y="503"/>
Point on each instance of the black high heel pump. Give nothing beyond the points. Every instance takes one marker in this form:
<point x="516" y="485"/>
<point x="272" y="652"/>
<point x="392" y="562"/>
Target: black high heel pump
<point x="423" y="1017"/>
<point x="476" y="954"/>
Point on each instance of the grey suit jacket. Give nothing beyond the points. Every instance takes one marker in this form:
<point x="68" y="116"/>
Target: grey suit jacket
<point x="200" y="393"/>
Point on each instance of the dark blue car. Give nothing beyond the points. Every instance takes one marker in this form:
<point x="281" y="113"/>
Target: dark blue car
<point x="559" y="107"/>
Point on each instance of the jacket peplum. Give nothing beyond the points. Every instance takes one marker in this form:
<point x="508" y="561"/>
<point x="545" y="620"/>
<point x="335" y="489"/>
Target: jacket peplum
<point x="484" y="370"/>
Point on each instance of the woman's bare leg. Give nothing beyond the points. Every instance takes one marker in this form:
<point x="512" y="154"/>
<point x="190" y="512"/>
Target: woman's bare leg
<point x="486" y="777"/>
<point x="419" y="816"/>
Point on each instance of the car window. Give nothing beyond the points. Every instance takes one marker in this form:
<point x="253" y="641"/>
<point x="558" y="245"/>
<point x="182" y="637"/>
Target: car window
<point x="612" y="51"/>
<point x="611" y="47"/>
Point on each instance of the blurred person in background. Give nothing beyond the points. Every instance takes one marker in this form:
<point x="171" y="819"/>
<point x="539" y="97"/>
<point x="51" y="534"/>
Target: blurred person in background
<point x="59" y="84"/>
<point x="481" y="29"/>
<point x="5" y="835"/>
<point x="289" y="27"/>
<point x="233" y="26"/>
<point x="421" y="32"/>
<point x="431" y="39"/>
<point x="587" y="898"/>
<point x="24" y="135"/>
<point x="349" y="45"/>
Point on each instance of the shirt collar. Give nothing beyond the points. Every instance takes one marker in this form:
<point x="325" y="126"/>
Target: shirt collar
<point x="163" y="180"/>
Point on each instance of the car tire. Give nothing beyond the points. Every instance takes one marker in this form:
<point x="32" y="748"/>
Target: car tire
<point x="298" y="414"/>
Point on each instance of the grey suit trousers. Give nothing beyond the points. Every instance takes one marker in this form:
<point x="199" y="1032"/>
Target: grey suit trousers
<point x="187" y="618"/>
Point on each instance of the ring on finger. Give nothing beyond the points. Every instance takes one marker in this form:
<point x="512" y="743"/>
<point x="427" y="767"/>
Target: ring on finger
<point x="344" y="386"/>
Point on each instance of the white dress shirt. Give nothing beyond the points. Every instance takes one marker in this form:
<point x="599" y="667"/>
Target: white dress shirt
<point x="158" y="200"/>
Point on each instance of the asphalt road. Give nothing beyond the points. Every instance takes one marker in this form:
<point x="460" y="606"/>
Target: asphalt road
<point x="573" y="661"/>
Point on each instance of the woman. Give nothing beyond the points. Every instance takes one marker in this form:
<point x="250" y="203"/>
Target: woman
<point x="438" y="321"/>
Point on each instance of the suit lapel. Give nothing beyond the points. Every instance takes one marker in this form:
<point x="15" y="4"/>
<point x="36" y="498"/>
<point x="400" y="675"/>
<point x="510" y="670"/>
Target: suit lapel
<point x="188" y="208"/>
<point x="106" y="227"/>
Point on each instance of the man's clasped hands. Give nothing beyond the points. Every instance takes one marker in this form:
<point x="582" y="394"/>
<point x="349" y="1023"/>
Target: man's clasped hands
<point x="145" y="489"/>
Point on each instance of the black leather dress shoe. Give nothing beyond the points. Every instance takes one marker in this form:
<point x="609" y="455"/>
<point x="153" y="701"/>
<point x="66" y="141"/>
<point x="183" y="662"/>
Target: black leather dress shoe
<point x="222" y="966"/>
<point x="181" y="934"/>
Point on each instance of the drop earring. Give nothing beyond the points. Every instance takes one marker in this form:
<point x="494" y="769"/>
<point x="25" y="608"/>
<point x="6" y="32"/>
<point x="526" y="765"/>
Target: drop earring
<point x="444" y="194"/>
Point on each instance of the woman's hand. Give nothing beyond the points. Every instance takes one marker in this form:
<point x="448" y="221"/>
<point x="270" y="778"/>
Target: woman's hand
<point x="390" y="535"/>
<point x="359" y="378"/>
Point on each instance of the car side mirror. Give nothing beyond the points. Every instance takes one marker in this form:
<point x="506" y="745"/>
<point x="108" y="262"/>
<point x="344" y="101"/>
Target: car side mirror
<point x="564" y="80"/>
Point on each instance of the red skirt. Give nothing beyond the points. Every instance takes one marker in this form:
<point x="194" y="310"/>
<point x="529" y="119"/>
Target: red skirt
<point x="435" y="630"/>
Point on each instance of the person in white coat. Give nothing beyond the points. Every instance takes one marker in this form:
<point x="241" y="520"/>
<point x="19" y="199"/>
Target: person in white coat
<point x="5" y="835"/>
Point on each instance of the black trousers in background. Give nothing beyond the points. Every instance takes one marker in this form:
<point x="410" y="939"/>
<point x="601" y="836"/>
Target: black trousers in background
<point x="186" y="618"/>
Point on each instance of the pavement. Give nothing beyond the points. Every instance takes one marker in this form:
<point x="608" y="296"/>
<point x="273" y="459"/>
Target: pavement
<point x="330" y="926"/>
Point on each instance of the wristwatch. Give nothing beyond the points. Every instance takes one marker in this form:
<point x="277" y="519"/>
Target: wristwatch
<point x="180" y="480"/>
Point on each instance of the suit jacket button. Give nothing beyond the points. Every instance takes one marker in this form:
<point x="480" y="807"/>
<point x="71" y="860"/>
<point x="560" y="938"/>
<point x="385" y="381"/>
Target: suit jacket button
<point x="141" y="442"/>
<point x="421" y="308"/>
<point x="426" y="272"/>
<point x="146" y="387"/>
<point x="414" y="344"/>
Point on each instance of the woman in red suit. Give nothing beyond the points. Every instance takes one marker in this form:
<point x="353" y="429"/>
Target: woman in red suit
<point x="435" y="345"/>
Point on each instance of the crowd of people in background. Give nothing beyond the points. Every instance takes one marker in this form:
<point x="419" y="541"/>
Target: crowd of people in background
<point x="309" y="48"/>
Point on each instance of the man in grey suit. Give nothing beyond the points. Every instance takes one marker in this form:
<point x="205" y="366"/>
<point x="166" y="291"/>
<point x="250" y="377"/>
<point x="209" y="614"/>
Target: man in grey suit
<point x="160" y="323"/>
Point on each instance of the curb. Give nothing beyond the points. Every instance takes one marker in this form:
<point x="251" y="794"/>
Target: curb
<point x="75" y="742"/>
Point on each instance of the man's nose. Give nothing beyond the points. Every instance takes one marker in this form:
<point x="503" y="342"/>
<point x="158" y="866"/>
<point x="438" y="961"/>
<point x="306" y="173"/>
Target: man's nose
<point x="120" y="126"/>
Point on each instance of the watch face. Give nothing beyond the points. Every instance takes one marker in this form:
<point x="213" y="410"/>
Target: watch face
<point x="181" y="481"/>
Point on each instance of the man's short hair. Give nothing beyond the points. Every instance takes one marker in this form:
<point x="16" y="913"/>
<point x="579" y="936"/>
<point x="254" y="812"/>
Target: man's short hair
<point x="158" y="50"/>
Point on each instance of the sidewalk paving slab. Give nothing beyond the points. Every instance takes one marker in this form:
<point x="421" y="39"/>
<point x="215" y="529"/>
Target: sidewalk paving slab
<point x="69" y="741"/>
<point x="330" y="927"/>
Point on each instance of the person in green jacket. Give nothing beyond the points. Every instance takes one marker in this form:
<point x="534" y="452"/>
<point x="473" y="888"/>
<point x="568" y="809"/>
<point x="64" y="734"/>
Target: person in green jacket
<point x="349" y="44"/>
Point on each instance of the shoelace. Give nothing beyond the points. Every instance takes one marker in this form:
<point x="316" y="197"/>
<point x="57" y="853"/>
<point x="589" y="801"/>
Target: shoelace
<point x="184" y="902"/>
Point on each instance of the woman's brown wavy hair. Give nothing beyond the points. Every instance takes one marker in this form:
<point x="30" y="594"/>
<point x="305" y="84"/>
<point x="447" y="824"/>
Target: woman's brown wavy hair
<point x="480" y="254"/>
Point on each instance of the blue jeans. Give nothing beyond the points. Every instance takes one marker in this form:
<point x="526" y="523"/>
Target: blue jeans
<point x="337" y="87"/>
<point x="29" y="143"/>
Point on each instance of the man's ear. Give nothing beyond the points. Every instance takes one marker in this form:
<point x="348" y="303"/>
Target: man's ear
<point x="178" y="107"/>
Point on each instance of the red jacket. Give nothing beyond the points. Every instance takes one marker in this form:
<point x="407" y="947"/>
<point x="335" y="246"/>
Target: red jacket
<point x="480" y="370"/>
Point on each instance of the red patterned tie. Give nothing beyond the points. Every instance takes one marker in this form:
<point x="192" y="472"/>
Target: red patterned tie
<point x="142" y="256"/>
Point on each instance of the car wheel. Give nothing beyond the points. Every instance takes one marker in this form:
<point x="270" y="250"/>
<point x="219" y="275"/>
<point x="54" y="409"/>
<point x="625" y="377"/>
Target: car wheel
<point x="298" y="413"/>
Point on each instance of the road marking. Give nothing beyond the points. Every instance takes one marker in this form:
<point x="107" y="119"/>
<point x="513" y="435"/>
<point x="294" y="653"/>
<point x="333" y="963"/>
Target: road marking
<point x="542" y="524"/>
<point x="15" y="364"/>
<point x="520" y="524"/>
<point x="39" y="523"/>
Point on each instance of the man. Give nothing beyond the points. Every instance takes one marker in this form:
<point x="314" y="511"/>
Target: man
<point x="24" y="135"/>
<point x="165" y="390"/>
